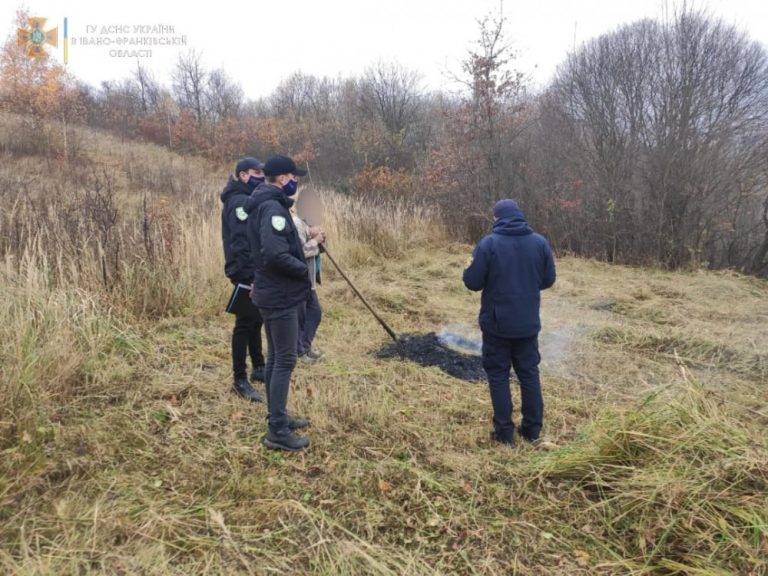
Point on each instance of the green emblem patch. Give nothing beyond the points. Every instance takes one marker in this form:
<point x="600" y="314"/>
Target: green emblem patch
<point x="278" y="223"/>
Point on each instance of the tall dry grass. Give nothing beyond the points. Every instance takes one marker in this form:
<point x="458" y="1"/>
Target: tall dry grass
<point x="53" y="344"/>
<point x="384" y="227"/>
<point x="94" y="251"/>
<point x="675" y="485"/>
<point x="122" y="452"/>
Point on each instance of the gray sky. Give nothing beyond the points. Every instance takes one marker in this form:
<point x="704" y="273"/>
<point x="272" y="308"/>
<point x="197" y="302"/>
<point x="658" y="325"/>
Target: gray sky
<point x="260" y="43"/>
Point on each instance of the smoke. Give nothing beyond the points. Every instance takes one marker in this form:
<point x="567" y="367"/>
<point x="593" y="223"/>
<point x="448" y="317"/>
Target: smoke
<point x="461" y="338"/>
<point x="456" y="350"/>
<point x="555" y="344"/>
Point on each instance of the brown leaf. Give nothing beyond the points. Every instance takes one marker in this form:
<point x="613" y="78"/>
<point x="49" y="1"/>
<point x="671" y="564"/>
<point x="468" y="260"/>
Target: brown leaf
<point x="384" y="486"/>
<point x="582" y="558"/>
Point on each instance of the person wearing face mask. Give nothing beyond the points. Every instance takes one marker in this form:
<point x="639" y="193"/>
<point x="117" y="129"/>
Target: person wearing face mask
<point x="281" y="284"/>
<point x="239" y="268"/>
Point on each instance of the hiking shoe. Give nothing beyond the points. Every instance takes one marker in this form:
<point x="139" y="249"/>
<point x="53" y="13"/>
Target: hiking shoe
<point x="257" y="374"/>
<point x="542" y="444"/>
<point x="286" y="441"/>
<point x="293" y="423"/>
<point x="305" y="357"/>
<point x="243" y="388"/>
<point x="297" y="423"/>
<point x="507" y="442"/>
<point x="315" y="354"/>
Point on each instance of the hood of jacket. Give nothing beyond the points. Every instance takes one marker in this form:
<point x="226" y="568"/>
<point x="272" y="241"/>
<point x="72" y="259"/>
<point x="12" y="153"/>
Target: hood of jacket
<point x="265" y="192"/>
<point x="513" y="225"/>
<point x="233" y="188"/>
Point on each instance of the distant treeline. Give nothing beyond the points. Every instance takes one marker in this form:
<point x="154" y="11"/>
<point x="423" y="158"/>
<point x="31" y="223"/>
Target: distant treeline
<point x="649" y="146"/>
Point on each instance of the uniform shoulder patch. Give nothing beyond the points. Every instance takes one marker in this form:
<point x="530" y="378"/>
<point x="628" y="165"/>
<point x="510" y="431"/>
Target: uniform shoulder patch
<point x="241" y="214"/>
<point x="278" y="223"/>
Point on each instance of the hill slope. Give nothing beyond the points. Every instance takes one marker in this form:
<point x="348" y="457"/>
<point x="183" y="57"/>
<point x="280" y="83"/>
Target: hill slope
<point x="123" y="451"/>
<point x="661" y="469"/>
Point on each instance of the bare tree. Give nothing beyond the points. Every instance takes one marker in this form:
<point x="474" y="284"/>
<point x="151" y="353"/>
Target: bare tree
<point x="149" y="89"/>
<point x="302" y="96"/>
<point x="482" y="128"/>
<point x="119" y="107"/>
<point x="663" y="123"/>
<point x="391" y="94"/>
<point x="224" y="97"/>
<point x="189" y="84"/>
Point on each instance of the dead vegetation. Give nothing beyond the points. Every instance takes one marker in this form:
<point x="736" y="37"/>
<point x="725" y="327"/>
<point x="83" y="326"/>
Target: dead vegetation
<point x="122" y="451"/>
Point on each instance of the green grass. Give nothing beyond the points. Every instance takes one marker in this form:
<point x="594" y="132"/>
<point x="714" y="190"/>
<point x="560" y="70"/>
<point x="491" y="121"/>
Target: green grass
<point x="122" y="450"/>
<point x="689" y="350"/>
<point x="674" y="482"/>
<point x="158" y="468"/>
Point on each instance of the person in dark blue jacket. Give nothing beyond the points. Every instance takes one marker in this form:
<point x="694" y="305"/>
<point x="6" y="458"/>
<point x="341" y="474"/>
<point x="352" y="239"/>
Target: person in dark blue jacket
<point x="281" y="284"/>
<point x="238" y="266"/>
<point x="511" y="266"/>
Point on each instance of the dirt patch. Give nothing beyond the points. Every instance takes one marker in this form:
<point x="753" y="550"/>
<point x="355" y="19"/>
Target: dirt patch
<point x="426" y="350"/>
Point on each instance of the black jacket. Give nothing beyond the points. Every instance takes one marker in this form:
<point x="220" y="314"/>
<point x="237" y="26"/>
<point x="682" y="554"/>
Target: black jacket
<point x="281" y="277"/>
<point x="511" y="266"/>
<point x="238" y="264"/>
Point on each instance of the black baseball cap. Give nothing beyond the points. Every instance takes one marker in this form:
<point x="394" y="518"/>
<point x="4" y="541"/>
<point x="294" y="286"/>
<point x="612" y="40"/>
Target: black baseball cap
<point x="282" y="165"/>
<point x="248" y="163"/>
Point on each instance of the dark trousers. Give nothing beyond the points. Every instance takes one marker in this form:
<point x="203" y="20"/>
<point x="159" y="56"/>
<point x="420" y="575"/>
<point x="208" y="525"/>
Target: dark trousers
<point x="246" y="339"/>
<point x="281" y="326"/>
<point x="521" y="354"/>
<point x="310" y="315"/>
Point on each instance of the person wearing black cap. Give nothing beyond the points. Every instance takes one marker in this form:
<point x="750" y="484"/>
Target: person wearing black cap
<point x="239" y="268"/>
<point x="511" y="266"/>
<point x="281" y="284"/>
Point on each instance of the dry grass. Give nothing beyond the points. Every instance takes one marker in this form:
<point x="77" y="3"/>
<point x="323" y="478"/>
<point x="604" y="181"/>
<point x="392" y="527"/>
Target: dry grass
<point x="123" y="451"/>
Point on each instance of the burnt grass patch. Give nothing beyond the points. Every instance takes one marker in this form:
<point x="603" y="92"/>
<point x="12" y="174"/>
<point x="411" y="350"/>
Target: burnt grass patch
<point x="427" y="350"/>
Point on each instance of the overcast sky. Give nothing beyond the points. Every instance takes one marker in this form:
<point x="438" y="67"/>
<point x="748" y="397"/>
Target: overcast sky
<point x="260" y="43"/>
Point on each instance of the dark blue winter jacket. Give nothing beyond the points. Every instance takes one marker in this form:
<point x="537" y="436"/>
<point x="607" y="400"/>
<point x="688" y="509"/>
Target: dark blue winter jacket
<point x="511" y="266"/>
<point x="238" y="265"/>
<point x="281" y="278"/>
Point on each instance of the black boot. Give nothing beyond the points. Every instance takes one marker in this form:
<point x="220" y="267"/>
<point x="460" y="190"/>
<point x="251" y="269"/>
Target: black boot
<point x="297" y="423"/>
<point x="243" y="388"/>
<point x="285" y="441"/>
<point x="506" y="441"/>
<point x="257" y="374"/>
<point x="293" y="423"/>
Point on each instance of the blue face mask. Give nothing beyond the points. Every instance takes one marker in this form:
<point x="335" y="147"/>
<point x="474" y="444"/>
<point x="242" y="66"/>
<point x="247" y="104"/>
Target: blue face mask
<point x="291" y="187"/>
<point x="254" y="181"/>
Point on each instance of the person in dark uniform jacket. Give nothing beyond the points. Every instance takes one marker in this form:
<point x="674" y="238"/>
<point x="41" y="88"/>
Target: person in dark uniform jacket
<point x="281" y="284"/>
<point x="238" y="266"/>
<point x="511" y="266"/>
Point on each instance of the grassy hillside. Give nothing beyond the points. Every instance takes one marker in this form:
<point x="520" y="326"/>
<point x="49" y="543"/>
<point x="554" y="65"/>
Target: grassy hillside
<point x="123" y="451"/>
